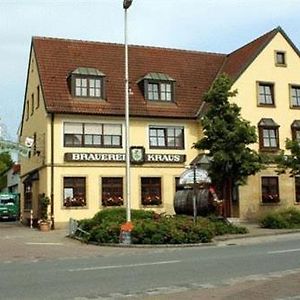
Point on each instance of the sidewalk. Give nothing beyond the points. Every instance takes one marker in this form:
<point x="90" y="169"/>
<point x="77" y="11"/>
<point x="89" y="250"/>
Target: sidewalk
<point x="254" y="231"/>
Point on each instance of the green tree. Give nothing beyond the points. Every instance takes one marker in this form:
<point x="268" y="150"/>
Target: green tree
<point x="291" y="161"/>
<point x="5" y="161"/>
<point x="227" y="136"/>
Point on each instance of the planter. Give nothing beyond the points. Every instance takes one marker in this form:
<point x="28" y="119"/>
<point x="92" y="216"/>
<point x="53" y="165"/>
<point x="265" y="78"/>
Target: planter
<point x="44" y="226"/>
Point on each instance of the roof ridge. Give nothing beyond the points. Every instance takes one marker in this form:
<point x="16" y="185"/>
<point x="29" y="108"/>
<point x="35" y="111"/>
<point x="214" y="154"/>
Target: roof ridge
<point x="271" y="32"/>
<point x="130" y="45"/>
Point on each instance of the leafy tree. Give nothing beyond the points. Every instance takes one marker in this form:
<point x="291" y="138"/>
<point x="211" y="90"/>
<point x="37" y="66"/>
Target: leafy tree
<point x="227" y="136"/>
<point x="291" y="161"/>
<point x="5" y="161"/>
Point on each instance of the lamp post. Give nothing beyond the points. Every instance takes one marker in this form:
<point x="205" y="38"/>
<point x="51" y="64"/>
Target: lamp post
<point x="126" y="5"/>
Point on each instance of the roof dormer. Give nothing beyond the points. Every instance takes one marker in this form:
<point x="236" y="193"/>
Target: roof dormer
<point x="87" y="83"/>
<point x="158" y="87"/>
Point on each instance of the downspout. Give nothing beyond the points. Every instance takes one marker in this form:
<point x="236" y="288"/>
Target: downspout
<point x="52" y="173"/>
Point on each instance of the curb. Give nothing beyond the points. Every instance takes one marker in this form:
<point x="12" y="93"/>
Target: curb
<point x="215" y="241"/>
<point x="253" y="235"/>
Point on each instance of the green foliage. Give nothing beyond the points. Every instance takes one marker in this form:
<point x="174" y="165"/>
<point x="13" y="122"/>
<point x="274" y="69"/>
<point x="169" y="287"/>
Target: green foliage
<point x="292" y="161"/>
<point x="152" y="228"/>
<point x="5" y="161"/>
<point x="44" y="202"/>
<point x="227" y="136"/>
<point x="286" y="218"/>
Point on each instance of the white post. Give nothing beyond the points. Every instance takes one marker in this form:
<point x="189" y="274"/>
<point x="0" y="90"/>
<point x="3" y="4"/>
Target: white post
<point x="31" y="218"/>
<point x="128" y="194"/>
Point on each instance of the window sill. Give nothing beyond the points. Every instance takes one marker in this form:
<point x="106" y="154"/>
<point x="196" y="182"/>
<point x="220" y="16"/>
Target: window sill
<point x="281" y="65"/>
<point x="161" y="102"/>
<point x="153" y="205"/>
<point x="166" y="148"/>
<point x="266" y="105"/>
<point x="270" y="204"/>
<point x="74" y="207"/>
<point x="269" y="150"/>
<point x="295" y="107"/>
<point x="92" y="99"/>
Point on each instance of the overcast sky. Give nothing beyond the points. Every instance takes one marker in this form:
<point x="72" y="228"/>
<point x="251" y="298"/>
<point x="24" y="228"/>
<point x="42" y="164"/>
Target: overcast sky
<point x="204" y="25"/>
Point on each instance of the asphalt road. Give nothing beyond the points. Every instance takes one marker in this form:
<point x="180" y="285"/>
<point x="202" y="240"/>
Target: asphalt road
<point x="164" y="273"/>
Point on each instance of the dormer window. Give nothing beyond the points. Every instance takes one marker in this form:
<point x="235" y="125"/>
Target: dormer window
<point x="87" y="83"/>
<point x="158" y="87"/>
<point x="268" y="135"/>
<point x="295" y="127"/>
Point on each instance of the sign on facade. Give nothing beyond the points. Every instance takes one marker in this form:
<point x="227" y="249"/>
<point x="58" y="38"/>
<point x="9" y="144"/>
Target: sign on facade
<point x="137" y="156"/>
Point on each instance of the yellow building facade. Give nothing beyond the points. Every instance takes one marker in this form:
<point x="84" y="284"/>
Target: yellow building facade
<point x="74" y="112"/>
<point x="282" y="79"/>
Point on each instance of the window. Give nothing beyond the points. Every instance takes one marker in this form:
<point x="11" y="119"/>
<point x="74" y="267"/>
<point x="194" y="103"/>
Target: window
<point x="73" y="134"/>
<point x="27" y="196"/>
<point x="297" y="188"/>
<point x="295" y="127"/>
<point x="158" y="87"/>
<point x="178" y="187"/>
<point x="166" y="137"/>
<point x="88" y="87"/>
<point x="295" y="96"/>
<point x="112" y="191"/>
<point x="32" y="104"/>
<point x="27" y="110"/>
<point x="74" y="192"/>
<point x="92" y="135"/>
<point x="34" y="144"/>
<point x="38" y="98"/>
<point x="268" y="135"/>
<point x="270" y="190"/>
<point x="266" y="94"/>
<point x="87" y="83"/>
<point x="151" y="190"/>
<point x="160" y="91"/>
<point x="280" y="58"/>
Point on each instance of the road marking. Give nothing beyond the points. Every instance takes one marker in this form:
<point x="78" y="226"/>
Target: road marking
<point x="47" y="244"/>
<point x="125" y="266"/>
<point x="284" y="251"/>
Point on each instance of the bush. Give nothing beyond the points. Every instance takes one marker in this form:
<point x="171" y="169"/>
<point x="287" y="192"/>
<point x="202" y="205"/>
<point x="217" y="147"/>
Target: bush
<point x="286" y="218"/>
<point x="152" y="228"/>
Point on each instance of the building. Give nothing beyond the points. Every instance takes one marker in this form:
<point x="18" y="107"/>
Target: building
<point x="74" y="111"/>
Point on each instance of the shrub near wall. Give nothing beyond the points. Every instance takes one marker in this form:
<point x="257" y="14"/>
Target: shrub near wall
<point x="152" y="228"/>
<point x="286" y="218"/>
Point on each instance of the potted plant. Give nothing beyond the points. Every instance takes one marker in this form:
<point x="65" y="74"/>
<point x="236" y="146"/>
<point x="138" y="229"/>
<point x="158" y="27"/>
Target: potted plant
<point x="44" y="223"/>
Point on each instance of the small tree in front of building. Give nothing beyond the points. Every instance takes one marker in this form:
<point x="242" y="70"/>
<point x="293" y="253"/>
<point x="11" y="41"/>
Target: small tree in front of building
<point x="291" y="161"/>
<point x="227" y="137"/>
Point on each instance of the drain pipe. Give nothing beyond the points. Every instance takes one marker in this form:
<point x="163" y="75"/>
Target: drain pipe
<point x="52" y="173"/>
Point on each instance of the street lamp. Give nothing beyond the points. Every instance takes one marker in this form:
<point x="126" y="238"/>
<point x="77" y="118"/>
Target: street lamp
<point x="126" y="5"/>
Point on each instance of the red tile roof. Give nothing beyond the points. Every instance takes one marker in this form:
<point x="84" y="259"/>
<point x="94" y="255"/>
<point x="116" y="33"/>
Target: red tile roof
<point x="56" y="58"/>
<point x="193" y="71"/>
<point x="240" y="59"/>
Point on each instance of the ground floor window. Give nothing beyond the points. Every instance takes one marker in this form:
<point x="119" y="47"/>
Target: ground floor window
<point x="270" y="189"/>
<point x="151" y="190"/>
<point x="112" y="191"/>
<point x="74" y="192"/>
<point x="297" y="188"/>
<point x="27" y="196"/>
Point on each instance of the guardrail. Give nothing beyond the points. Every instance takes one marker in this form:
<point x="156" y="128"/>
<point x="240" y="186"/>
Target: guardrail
<point x="75" y="231"/>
